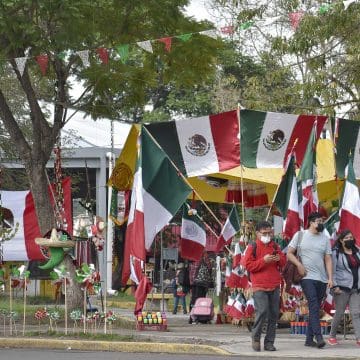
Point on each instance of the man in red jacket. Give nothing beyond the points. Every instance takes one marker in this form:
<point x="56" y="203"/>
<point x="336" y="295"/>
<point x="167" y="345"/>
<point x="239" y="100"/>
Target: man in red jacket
<point x="263" y="261"/>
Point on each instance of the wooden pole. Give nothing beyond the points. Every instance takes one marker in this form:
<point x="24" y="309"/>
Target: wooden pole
<point x="10" y="317"/>
<point x="66" y="309"/>
<point x="24" y="316"/>
<point x="85" y="310"/>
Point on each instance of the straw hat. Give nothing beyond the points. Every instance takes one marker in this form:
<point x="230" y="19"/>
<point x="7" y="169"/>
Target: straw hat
<point x="54" y="241"/>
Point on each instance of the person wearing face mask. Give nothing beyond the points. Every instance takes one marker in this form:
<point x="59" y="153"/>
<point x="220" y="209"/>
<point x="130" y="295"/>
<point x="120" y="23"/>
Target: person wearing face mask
<point x="315" y="265"/>
<point x="346" y="289"/>
<point x="263" y="260"/>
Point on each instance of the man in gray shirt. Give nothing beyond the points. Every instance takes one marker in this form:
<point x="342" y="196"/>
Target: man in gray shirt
<point x="314" y="250"/>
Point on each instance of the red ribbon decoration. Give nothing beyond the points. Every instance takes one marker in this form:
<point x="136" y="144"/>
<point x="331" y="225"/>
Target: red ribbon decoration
<point x="167" y="41"/>
<point x="43" y="61"/>
<point x="103" y="55"/>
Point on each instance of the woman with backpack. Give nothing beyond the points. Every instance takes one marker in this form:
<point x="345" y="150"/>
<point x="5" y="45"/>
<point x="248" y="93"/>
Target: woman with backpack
<point x="346" y="283"/>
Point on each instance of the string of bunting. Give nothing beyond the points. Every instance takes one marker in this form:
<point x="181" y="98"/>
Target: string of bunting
<point x="122" y="50"/>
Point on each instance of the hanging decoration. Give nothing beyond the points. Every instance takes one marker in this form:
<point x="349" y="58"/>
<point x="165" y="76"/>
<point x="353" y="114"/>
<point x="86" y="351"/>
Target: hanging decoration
<point x="228" y="30"/>
<point x="43" y="61"/>
<point x="123" y="51"/>
<point x="167" y="41"/>
<point x="295" y="18"/>
<point x="347" y="3"/>
<point x="103" y="55"/>
<point x="145" y="45"/>
<point x="84" y="56"/>
<point x="20" y="64"/>
<point x="210" y="33"/>
<point x="184" y="37"/>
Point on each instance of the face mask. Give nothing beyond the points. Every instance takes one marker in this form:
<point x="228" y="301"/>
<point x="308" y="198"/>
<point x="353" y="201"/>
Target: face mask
<point x="349" y="244"/>
<point x="265" y="239"/>
<point x="320" y="228"/>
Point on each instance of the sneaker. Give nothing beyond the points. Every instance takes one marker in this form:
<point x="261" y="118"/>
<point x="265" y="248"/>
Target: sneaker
<point x="332" y="341"/>
<point x="311" y="343"/>
<point x="358" y="342"/>
<point x="320" y="343"/>
<point x="256" y="345"/>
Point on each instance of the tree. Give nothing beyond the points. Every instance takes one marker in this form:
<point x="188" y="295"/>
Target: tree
<point x="309" y="67"/>
<point x="55" y="30"/>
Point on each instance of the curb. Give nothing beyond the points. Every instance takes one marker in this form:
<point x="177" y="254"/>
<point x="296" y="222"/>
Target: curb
<point x="126" y="346"/>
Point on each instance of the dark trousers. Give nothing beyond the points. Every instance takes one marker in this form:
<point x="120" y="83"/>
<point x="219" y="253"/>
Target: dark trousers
<point x="267" y="304"/>
<point x="314" y="291"/>
<point x="197" y="291"/>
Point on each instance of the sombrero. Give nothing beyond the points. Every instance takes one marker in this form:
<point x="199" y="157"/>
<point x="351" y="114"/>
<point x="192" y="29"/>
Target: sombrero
<point x="55" y="241"/>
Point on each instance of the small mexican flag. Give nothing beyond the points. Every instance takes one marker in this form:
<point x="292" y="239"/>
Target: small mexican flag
<point x="230" y="228"/>
<point x="287" y="200"/>
<point x="193" y="235"/>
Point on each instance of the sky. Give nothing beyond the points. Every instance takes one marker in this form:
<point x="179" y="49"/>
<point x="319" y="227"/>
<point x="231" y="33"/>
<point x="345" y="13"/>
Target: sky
<point x="197" y="8"/>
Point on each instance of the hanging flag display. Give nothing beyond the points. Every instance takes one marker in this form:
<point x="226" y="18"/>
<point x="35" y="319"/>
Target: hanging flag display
<point x="287" y="201"/>
<point x="84" y="56"/>
<point x="167" y="41"/>
<point x="21" y="205"/>
<point x="307" y="177"/>
<point x="200" y="146"/>
<point x="193" y="235"/>
<point x="267" y="138"/>
<point x="230" y="228"/>
<point x="145" y="45"/>
<point x="347" y="141"/>
<point x="350" y="205"/>
<point x="103" y="55"/>
<point x="123" y="51"/>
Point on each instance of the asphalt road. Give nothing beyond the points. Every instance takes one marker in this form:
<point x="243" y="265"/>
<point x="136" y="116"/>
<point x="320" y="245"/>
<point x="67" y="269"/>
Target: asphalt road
<point x="25" y="354"/>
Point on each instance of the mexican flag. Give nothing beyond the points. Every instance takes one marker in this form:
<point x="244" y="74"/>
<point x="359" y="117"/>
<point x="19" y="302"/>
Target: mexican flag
<point x="350" y="205"/>
<point x="18" y="208"/>
<point x="267" y="138"/>
<point x="347" y="140"/>
<point x="158" y="193"/>
<point x="287" y="200"/>
<point x="193" y="236"/>
<point x="200" y="146"/>
<point x="230" y="228"/>
<point x="307" y="176"/>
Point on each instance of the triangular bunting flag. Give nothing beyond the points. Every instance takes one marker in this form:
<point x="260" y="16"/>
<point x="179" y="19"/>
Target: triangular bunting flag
<point x="211" y="33"/>
<point x="20" y="63"/>
<point x="103" y="55"/>
<point x="145" y="45"/>
<point x="184" y="37"/>
<point x="246" y="25"/>
<point x="347" y="3"/>
<point x="167" y="41"/>
<point x="43" y="61"/>
<point x="84" y="56"/>
<point x="123" y="51"/>
<point x="271" y="20"/>
<point x="295" y="19"/>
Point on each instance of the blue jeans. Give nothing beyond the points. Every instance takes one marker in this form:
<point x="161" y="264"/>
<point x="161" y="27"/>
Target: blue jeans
<point x="314" y="291"/>
<point x="176" y="303"/>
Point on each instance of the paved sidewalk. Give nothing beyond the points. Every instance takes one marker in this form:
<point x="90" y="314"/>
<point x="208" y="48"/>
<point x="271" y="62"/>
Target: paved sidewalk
<point x="182" y="337"/>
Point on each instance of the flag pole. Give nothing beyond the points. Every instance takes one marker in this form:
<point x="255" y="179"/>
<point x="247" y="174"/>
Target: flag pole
<point x="185" y="179"/>
<point x="277" y="189"/>
<point x="241" y="171"/>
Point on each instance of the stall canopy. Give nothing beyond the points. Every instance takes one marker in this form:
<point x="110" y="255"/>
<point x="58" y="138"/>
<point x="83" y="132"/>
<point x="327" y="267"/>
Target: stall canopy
<point x="214" y="187"/>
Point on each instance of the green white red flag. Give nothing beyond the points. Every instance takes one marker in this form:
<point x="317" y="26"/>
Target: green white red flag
<point x="200" y="146"/>
<point x="347" y="140"/>
<point x="267" y="138"/>
<point x="193" y="235"/>
<point x="158" y="193"/>
<point x="350" y="205"/>
<point x="230" y="228"/>
<point x="287" y="200"/>
<point x="307" y="176"/>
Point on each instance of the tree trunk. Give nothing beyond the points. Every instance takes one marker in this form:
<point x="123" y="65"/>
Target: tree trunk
<point x="74" y="292"/>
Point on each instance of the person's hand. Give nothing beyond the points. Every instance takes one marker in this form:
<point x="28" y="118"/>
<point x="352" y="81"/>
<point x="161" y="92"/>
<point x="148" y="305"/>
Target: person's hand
<point x="269" y="258"/>
<point x="337" y="290"/>
<point x="276" y="257"/>
<point x="330" y="284"/>
<point x="301" y="269"/>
